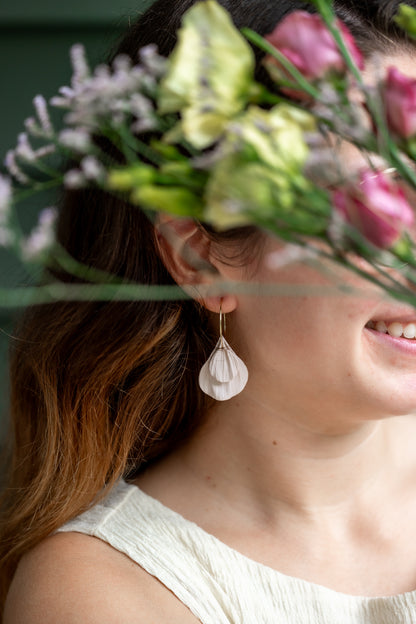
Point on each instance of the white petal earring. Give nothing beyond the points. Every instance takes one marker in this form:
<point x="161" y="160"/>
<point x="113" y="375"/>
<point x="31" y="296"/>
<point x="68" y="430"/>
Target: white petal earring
<point x="224" y="374"/>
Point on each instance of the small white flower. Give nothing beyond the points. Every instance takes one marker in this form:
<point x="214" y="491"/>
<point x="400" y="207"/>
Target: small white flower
<point x="24" y="150"/>
<point x="153" y="62"/>
<point x="41" y="108"/>
<point x="140" y="105"/>
<point x="80" y="67"/>
<point x="110" y="93"/>
<point x="289" y="254"/>
<point x="6" y="235"/>
<point x="102" y="73"/>
<point x="59" y="102"/>
<point x="14" y="169"/>
<point x="33" y="128"/>
<point x="74" y="179"/>
<point x="42" y="235"/>
<point x="92" y="169"/>
<point x="78" y="140"/>
<point x="66" y="91"/>
<point x="5" y="196"/>
<point x="122" y="63"/>
<point x="64" y="99"/>
<point x="46" y="150"/>
<point x="143" y="125"/>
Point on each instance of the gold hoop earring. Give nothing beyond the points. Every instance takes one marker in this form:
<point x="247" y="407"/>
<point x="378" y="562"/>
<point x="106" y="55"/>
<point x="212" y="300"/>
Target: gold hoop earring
<point x="224" y="374"/>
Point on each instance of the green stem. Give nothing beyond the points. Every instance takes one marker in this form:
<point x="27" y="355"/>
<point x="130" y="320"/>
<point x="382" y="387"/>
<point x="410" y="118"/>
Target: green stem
<point x="131" y="147"/>
<point x="396" y="160"/>
<point x="78" y="269"/>
<point x="268" y="48"/>
<point x="37" y="188"/>
<point x="51" y="293"/>
<point x="327" y="13"/>
<point x="396" y="289"/>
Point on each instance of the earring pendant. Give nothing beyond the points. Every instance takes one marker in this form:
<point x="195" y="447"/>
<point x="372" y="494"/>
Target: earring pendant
<point x="224" y="374"/>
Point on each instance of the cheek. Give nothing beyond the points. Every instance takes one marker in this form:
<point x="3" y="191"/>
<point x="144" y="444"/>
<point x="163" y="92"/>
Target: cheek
<point x="278" y="329"/>
<point x="303" y="333"/>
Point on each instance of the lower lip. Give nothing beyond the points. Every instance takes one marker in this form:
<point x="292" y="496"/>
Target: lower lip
<point x="404" y="345"/>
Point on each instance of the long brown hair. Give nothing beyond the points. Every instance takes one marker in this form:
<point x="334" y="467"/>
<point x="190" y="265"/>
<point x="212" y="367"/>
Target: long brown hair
<point x="99" y="389"/>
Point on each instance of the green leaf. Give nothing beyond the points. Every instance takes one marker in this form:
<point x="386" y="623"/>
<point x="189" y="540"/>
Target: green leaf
<point x="210" y="74"/>
<point x="406" y="19"/>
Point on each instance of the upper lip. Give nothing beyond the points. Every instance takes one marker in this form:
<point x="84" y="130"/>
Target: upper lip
<point x="397" y="314"/>
<point x="395" y="319"/>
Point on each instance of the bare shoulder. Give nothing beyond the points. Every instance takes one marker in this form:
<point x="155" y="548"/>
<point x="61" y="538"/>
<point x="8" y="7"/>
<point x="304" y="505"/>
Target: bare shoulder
<point x="71" y="578"/>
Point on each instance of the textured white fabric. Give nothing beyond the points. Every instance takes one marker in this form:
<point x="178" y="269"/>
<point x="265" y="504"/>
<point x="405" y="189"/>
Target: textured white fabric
<point x="217" y="583"/>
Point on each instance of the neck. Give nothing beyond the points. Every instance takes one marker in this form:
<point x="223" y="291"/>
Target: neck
<point x="260" y="458"/>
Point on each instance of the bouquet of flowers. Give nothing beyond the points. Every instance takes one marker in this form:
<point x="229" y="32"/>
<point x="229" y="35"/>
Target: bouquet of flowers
<point x="196" y="135"/>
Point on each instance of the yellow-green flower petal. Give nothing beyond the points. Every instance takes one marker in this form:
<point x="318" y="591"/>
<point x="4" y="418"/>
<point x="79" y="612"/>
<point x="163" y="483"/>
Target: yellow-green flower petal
<point x="277" y="135"/>
<point x="210" y="73"/>
<point x="126" y="178"/>
<point x="174" y="200"/>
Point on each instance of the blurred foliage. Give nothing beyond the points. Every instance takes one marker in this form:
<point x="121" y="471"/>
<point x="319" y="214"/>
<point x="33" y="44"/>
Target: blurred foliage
<point x="35" y="38"/>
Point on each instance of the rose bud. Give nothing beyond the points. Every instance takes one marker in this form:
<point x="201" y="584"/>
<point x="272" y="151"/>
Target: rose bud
<point x="307" y="43"/>
<point x="377" y="207"/>
<point x="400" y="103"/>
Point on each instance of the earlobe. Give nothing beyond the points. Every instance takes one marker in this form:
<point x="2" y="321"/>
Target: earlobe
<point x="225" y="302"/>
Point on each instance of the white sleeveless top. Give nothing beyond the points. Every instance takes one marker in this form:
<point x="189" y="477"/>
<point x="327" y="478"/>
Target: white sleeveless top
<point x="217" y="583"/>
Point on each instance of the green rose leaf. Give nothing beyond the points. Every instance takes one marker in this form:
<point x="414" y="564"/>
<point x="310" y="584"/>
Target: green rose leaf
<point x="209" y="75"/>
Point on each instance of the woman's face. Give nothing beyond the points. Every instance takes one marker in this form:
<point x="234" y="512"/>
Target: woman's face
<point x="315" y="352"/>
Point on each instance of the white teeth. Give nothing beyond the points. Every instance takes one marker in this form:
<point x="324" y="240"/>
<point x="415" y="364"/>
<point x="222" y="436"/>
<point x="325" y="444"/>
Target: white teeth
<point x="395" y="330"/>
<point x="381" y="327"/>
<point x="409" y="331"/>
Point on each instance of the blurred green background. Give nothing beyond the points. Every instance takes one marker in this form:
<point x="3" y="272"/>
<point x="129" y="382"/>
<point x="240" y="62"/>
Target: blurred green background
<point x="35" y="38"/>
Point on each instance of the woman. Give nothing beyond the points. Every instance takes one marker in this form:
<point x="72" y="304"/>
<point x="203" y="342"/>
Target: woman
<point x="293" y="501"/>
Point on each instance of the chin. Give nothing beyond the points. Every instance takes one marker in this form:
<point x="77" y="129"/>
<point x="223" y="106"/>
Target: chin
<point x="391" y="401"/>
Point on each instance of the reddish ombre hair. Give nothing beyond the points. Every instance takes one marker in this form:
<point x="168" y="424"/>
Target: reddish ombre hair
<point x="98" y="389"/>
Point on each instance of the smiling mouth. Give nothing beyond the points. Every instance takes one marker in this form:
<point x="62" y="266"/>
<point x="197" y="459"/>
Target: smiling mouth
<point x="394" y="329"/>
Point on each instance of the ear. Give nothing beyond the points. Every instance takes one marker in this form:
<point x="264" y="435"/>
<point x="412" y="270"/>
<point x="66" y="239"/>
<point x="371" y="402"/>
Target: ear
<point x="185" y="250"/>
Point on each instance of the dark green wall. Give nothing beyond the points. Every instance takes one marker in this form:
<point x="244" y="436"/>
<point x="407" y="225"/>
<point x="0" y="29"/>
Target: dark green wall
<point x="35" y="37"/>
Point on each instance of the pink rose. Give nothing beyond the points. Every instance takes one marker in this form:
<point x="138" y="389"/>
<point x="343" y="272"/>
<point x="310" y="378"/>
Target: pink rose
<point x="307" y="43"/>
<point x="400" y="103"/>
<point x="377" y="207"/>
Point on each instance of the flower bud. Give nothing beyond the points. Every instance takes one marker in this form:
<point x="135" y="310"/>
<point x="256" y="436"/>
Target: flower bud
<point x="377" y="207"/>
<point x="307" y="43"/>
<point x="400" y="103"/>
